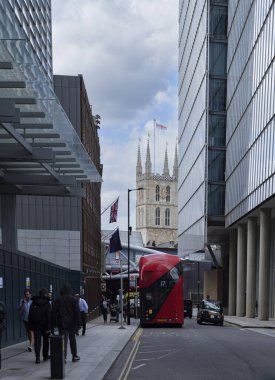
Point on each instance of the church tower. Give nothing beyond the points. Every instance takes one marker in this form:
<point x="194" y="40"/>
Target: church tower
<point x="157" y="204"/>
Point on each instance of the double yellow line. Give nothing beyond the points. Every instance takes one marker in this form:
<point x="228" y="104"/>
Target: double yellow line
<point x="128" y="365"/>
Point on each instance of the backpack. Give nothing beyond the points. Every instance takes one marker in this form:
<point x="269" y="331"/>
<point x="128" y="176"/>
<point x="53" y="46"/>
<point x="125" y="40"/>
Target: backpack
<point x="35" y="313"/>
<point x="65" y="313"/>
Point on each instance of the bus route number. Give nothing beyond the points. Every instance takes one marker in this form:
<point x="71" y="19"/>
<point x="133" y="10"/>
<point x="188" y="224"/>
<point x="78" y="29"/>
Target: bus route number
<point x="162" y="283"/>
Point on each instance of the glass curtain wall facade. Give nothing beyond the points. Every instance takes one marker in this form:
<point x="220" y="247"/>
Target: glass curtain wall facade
<point x="250" y="166"/>
<point x="193" y="84"/>
<point x="202" y="120"/>
<point x="217" y="111"/>
<point x="35" y="18"/>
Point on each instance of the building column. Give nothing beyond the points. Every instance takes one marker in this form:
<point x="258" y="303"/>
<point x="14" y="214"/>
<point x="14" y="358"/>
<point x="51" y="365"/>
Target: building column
<point x="241" y="270"/>
<point x="264" y="264"/>
<point x="232" y="272"/>
<point x="251" y="267"/>
<point x="8" y="221"/>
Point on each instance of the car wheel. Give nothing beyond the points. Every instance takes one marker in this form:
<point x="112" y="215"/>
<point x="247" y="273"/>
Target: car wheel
<point x="221" y="323"/>
<point x="199" y="321"/>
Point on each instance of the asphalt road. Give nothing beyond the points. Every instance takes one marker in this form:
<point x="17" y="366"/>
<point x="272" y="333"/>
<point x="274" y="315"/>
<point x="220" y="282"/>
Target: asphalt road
<point x="198" y="353"/>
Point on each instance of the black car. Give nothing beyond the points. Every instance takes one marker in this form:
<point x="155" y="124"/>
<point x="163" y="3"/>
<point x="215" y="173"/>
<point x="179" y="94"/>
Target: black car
<point x="188" y="308"/>
<point x="210" y="311"/>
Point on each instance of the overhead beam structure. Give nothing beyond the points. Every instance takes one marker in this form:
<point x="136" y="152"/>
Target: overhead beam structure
<point x="40" y="151"/>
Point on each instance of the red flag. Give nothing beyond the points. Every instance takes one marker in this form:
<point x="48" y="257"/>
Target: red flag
<point x="113" y="212"/>
<point x="161" y="126"/>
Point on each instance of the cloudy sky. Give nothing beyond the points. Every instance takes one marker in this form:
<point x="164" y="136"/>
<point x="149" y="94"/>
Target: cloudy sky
<point x="126" y="51"/>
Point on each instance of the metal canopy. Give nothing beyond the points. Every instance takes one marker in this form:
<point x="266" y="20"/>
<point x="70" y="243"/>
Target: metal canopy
<point x="40" y="151"/>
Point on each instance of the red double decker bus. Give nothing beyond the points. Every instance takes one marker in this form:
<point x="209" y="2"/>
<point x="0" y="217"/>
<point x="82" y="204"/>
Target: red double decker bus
<point x="161" y="290"/>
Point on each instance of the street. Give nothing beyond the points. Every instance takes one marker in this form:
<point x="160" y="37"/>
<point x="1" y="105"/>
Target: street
<point x="198" y="352"/>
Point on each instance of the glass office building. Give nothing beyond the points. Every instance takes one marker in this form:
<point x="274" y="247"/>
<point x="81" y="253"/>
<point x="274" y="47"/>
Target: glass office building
<point x="202" y="123"/>
<point x="250" y="97"/>
<point x="34" y="16"/>
<point x="227" y="143"/>
<point x="250" y="164"/>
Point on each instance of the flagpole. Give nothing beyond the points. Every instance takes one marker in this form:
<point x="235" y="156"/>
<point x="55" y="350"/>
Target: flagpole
<point x="109" y="206"/>
<point x="154" y="143"/>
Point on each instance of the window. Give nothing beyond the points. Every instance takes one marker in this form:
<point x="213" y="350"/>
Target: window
<point x="167" y="217"/>
<point x="168" y="194"/>
<point x="217" y="129"/>
<point x="218" y="22"/>
<point x="139" y="218"/>
<point x="216" y="200"/>
<point x="217" y="95"/>
<point x="218" y="58"/>
<point x="157" y="193"/>
<point x="216" y="165"/>
<point x="157" y="216"/>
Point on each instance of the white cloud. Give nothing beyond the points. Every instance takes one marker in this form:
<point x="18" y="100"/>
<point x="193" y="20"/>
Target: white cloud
<point x="127" y="53"/>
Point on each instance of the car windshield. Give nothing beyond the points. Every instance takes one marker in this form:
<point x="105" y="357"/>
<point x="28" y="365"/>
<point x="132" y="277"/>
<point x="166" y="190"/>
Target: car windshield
<point x="209" y="305"/>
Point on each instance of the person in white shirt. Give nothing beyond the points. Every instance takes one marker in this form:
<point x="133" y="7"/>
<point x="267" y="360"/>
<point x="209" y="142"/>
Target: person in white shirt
<point x="24" y="308"/>
<point x="83" y="311"/>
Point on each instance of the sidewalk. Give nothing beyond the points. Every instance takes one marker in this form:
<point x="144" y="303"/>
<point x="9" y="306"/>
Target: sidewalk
<point x="249" y="322"/>
<point x="98" y="350"/>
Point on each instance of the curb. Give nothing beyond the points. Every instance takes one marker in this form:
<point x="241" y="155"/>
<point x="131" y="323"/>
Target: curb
<point x="119" y="352"/>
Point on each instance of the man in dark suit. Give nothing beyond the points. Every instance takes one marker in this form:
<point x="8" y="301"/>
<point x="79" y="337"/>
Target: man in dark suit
<point x="40" y="319"/>
<point x="66" y="316"/>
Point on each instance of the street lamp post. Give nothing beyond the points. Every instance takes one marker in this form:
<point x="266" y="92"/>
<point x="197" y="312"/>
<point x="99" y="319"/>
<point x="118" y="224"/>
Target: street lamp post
<point x="198" y="296"/>
<point x="128" y="255"/>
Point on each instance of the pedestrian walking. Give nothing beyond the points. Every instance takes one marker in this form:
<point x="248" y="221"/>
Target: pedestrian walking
<point x="40" y="320"/>
<point x="104" y="308"/>
<point x="66" y="316"/>
<point x="124" y="309"/>
<point x="83" y="307"/>
<point x="24" y="308"/>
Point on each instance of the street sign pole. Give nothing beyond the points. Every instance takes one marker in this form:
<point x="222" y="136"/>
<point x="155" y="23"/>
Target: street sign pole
<point x="121" y="295"/>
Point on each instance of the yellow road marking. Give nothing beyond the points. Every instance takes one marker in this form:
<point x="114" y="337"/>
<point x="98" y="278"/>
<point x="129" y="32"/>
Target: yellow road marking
<point x="127" y="367"/>
<point x="137" y="334"/>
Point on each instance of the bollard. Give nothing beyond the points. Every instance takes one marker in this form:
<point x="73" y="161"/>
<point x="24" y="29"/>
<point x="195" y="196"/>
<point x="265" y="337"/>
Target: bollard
<point x="57" y="357"/>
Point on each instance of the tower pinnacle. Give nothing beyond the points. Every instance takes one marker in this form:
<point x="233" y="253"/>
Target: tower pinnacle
<point x="148" y="163"/>
<point x="165" y="166"/>
<point x="139" y="166"/>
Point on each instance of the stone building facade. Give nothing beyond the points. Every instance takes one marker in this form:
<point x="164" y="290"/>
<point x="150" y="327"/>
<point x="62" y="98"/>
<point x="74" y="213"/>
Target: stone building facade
<point x="157" y="204"/>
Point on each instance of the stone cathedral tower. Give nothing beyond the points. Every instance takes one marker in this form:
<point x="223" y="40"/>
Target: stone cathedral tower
<point x="157" y="205"/>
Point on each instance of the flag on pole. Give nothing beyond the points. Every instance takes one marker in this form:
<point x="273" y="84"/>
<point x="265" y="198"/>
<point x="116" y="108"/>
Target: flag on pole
<point x="161" y="126"/>
<point x="115" y="244"/>
<point x="113" y="212"/>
